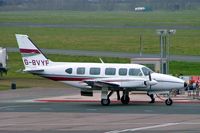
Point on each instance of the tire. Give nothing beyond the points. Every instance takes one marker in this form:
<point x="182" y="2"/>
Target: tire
<point x="105" y="102"/>
<point x="168" y="102"/>
<point x="125" y="100"/>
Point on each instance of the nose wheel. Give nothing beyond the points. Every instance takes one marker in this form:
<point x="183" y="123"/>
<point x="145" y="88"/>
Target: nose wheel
<point x="168" y="101"/>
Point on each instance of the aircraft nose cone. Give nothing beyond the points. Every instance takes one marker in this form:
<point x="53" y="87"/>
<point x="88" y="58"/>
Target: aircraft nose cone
<point x="185" y="84"/>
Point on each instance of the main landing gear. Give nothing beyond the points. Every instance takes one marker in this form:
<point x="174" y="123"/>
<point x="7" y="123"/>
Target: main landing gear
<point x="105" y="97"/>
<point x="168" y="101"/>
<point x="105" y="102"/>
<point x="125" y="99"/>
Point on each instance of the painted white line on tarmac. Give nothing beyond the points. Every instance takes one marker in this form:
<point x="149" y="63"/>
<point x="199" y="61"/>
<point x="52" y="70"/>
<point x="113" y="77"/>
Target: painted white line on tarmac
<point x="106" y="124"/>
<point x="16" y="106"/>
<point x="91" y="109"/>
<point x="46" y="109"/>
<point x="143" y="128"/>
<point x="25" y="101"/>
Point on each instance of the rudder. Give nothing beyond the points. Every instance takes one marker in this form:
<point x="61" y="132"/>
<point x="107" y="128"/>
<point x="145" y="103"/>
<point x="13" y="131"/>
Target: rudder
<point x="32" y="56"/>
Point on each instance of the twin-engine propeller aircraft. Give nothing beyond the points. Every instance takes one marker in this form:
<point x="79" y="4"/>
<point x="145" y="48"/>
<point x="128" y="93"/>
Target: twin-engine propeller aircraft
<point x="106" y="77"/>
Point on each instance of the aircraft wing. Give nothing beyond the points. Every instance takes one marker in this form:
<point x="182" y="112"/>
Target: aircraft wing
<point x="109" y="84"/>
<point x="134" y="82"/>
<point x="101" y="84"/>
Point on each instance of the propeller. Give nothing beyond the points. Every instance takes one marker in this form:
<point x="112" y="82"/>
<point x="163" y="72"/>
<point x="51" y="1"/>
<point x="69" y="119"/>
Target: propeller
<point x="150" y="82"/>
<point x="150" y="76"/>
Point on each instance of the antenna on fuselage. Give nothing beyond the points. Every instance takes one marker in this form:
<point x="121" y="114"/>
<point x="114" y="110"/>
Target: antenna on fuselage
<point x="101" y="60"/>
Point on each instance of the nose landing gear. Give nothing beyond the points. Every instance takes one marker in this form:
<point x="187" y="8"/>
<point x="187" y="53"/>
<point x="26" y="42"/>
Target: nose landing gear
<point x="168" y="102"/>
<point x="152" y="98"/>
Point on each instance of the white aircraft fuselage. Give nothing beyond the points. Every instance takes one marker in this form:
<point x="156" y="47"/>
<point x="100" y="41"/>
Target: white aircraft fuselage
<point x="107" y="77"/>
<point x="58" y="72"/>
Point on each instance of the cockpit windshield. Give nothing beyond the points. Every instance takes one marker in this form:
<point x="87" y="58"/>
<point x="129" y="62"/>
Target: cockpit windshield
<point x="135" y="72"/>
<point x="146" y="71"/>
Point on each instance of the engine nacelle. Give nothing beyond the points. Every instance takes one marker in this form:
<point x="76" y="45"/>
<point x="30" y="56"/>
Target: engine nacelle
<point x="152" y="82"/>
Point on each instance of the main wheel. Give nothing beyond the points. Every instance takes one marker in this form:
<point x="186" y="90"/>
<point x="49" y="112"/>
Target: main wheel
<point x="168" y="101"/>
<point x="125" y="99"/>
<point x="105" y="102"/>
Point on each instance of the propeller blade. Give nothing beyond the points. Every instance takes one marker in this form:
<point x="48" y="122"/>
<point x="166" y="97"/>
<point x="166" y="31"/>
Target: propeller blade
<point x="150" y="80"/>
<point x="149" y="76"/>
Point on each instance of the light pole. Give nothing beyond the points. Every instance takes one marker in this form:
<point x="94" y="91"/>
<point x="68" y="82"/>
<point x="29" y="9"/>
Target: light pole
<point x="165" y="48"/>
<point x="162" y="33"/>
<point x="141" y="47"/>
<point x="170" y="32"/>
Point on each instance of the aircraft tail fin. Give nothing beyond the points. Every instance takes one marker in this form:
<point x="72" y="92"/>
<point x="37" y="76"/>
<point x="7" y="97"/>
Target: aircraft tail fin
<point x="32" y="56"/>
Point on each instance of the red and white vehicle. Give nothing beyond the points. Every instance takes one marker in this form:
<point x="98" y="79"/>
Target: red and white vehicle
<point x="106" y="77"/>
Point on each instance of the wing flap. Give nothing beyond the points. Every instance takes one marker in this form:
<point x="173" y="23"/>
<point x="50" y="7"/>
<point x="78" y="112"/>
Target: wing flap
<point x="108" y="84"/>
<point x="101" y="84"/>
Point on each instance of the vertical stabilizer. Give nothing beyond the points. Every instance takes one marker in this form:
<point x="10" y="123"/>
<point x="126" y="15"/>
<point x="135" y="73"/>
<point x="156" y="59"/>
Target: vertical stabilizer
<point x="31" y="55"/>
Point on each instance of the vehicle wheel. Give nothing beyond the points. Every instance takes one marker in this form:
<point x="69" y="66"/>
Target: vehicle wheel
<point x="125" y="99"/>
<point x="168" y="101"/>
<point x="105" y="102"/>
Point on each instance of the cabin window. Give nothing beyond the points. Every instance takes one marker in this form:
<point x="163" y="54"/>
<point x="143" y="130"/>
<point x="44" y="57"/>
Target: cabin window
<point x="146" y="71"/>
<point x="95" y="71"/>
<point x="68" y="70"/>
<point x="110" y="71"/>
<point x="123" y="71"/>
<point x="80" y="70"/>
<point x="135" y="72"/>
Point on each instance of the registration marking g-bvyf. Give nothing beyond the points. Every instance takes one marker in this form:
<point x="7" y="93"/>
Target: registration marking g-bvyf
<point x="36" y="62"/>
